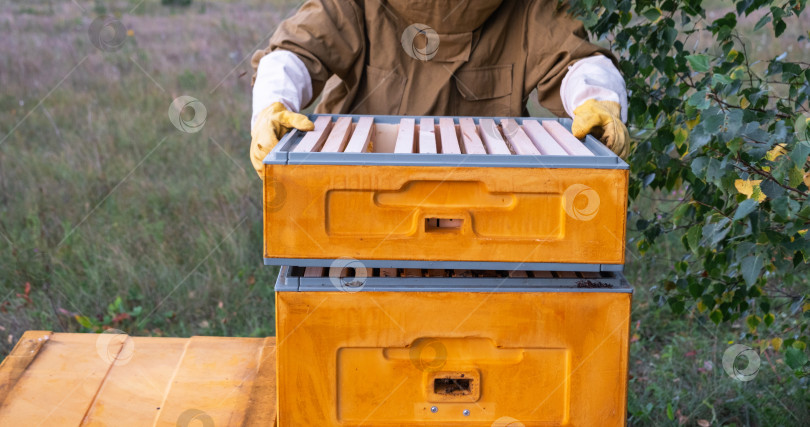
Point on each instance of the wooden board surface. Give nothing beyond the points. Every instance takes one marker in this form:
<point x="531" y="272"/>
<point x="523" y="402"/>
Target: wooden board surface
<point x="563" y="137"/>
<point x="114" y="379"/>
<point x="542" y="139"/>
<point x="313" y="140"/>
<point x="405" y="136"/>
<point x="469" y="136"/>
<point x="520" y="142"/>
<point x="447" y="130"/>
<point x="362" y="136"/>
<point x="492" y="138"/>
<point x="427" y="135"/>
<point x="339" y="137"/>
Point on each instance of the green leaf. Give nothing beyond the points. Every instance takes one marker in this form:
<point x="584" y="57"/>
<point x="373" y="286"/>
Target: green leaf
<point x="746" y="207"/>
<point x="670" y="413"/>
<point x="84" y="321"/>
<point x="751" y="266"/>
<point x="762" y="21"/>
<point x="795" y="358"/>
<point x="716" y="316"/>
<point x="693" y="238"/>
<point x="699" y="62"/>
<point x="752" y="322"/>
<point x="799" y="153"/>
<point x="652" y="14"/>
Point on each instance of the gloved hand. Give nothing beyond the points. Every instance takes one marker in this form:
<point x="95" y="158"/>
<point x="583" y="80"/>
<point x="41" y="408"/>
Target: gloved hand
<point x="603" y="120"/>
<point x="272" y="124"/>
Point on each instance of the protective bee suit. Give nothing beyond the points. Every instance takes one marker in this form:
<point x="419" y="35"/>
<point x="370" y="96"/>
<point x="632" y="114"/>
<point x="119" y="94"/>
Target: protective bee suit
<point x="421" y="57"/>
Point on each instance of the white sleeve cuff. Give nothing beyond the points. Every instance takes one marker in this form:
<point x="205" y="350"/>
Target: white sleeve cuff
<point x="596" y="78"/>
<point x="281" y="77"/>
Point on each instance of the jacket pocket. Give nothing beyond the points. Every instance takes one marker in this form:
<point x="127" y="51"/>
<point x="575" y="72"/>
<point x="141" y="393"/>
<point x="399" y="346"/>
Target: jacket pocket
<point x="380" y="92"/>
<point x="478" y="84"/>
<point x="485" y="91"/>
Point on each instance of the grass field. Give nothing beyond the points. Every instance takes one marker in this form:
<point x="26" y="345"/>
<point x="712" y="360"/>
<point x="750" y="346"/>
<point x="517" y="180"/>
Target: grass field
<point x="112" y="217"/>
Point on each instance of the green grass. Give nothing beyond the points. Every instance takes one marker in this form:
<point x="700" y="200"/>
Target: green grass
<point x="114" y="217"/>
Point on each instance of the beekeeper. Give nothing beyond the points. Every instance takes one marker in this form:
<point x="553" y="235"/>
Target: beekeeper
<point x="438" y="58"/>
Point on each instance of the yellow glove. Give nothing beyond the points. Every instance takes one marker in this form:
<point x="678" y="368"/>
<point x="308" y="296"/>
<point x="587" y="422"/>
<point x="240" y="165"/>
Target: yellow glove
<point x="603" y="120"/>
<point x="271" y="124"/>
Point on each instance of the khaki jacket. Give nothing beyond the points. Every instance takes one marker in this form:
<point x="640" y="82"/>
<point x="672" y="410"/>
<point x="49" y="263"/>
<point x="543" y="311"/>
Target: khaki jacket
<point x="490" y="55"/>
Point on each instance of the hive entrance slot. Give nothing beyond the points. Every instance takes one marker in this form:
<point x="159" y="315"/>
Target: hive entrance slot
<point x="452" y="386"/>
<point x="438" y="224"/>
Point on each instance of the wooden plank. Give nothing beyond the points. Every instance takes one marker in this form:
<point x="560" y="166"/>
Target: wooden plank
<point x="563" y="137"/>
<point x="388" y="272"/>
<point x="518" y="273"/>
<point x="567" y="274"/>
<point x="369" y="272"/>
<point x="114" y="379"/>
<point x="450" y="223"/>
<point x="313" y="272"/>
<point x="469" y="137"/>
<point x="590" y="275"/>
<point x="314" y="139"/>
<point x="212" y="378"/>
<point x="462" y="273"/>
<point x="427" y="135"/>
<point x="542" y="274"/>
<point x="435" y="272"/>
<point x="60" y="383"/>
<point x="361" y="136"/>
<point x="519" y="140"/>
<point x="135" y="389"/>
<point x="339" y="136"/>
<point x="405" y="136"/>
<point x="542" y="139"/>
<point x="492" y="137"/>
<point x="23" y="353"/>
<point x="262" y="411"/>
<point x="413" y="272"/>
<point x="447" y="130"/>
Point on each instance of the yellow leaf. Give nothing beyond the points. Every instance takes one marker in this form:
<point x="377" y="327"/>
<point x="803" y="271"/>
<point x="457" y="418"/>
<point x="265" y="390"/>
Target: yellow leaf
<point x="692" y="123"/>
<point x="750" y="188"/>
<point x="701" y="307"/>
<point x="775" y="152"/>
<point x="732" y="54"/>
<point x="680" y="136"/>
<point x="806" y="307"/>
<point x="807" y="178"/>
<point x="802" y="232"/>
<point x="744" y="103"/>
<point x="776" y="343"/>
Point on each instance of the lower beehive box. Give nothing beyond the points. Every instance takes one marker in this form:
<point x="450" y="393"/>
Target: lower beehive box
<point x="431" y="192"/>
<point x="396" y="347"/>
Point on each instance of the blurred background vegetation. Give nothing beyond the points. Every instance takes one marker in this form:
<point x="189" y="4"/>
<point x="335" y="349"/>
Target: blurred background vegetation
<point x="112" y="218"/>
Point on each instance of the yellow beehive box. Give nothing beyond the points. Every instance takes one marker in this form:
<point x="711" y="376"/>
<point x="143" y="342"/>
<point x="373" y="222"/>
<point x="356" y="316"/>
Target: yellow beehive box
<point x="502" y="192"/>
<point x="479" y="349"/>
